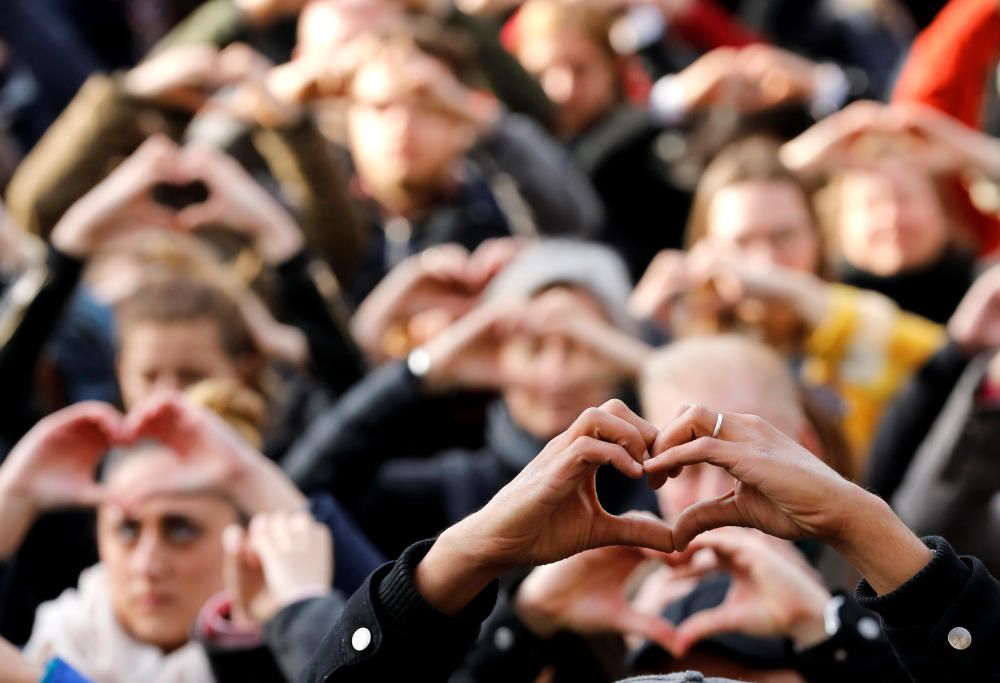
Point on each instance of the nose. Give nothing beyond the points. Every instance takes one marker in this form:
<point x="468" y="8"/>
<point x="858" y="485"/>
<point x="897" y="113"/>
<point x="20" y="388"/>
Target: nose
<point x="552" y="366"/>
<point x="558" y="84"/>
<point x="148" y="557"/>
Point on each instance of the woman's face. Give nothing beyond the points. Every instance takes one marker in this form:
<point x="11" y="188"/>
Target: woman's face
<point x="554" y="378"/>
<point x="164" y="556"/>
<point x="171" y="356"/>
<point x="767" y="220"/>
<point x="891" y="220"/>
<point x="575" y="73"/>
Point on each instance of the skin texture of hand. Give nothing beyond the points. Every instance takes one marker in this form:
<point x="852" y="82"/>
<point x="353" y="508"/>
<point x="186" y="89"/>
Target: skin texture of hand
<point x="121" y="203"/>
<point x="296" y="553"/>
<point x="220" y="458"/>
<point x="282" y="558"/>
<point x="664" y="281"/>
<point x="773" y="591"/>
<point x="466" y="354"/>
<point x="975" y="326"/>
<point x="14" y="668"/>
<point x="585" y="594"/>
<point x="237" y="201"/>
<point x="828" y="144"/>
<point x="53" y="466"/>
<point x="948" y="144"/>
<point x="548" y="512"/>
<point x="785" y="491"/>
<point x="182" y="77"/>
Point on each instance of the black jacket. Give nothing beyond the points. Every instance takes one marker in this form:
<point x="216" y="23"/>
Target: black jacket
<point x="399" y="477"/>
<point x="952" y="600"/>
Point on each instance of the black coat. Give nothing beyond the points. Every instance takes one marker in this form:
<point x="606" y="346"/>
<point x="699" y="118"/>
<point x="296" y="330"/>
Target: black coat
<point x="388" y="632"/>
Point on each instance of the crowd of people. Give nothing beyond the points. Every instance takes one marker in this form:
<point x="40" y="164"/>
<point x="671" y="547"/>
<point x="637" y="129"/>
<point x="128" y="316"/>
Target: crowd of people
<point x="555" y="341"/>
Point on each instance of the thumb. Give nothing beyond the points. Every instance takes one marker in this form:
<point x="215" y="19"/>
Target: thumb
<point x="653" y="628"/>
<point x="635" y="530"/>
<point x="196" y="215"/>
<point x="706" y="515"/>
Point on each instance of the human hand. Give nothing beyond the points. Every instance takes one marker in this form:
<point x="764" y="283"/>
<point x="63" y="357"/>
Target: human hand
<point x="548" y="512"/>
<point x="944" y="144"/>
<point x="218" y="457"/>
<point x="785" y="491"/>
<point x="664" y="282"/>
<point x="419" y="298"/>
<point x="15" y="668"/>
<point x="282" y="558"/>
<point x="184" y="77"/>
<point x="773" y="591"/>
<point x="975" y="325"/>
<point x="559" y="313"/>
<point x="266" y="12"/>
<point x="467" y="354"/>
<point x="585" y="594"/>
<point x="122" y="203"/>
<point x="54" y="464"/>
<point x="238" y="202"/>
<point x="777" y="75"/>
<point x="831" y="144"/>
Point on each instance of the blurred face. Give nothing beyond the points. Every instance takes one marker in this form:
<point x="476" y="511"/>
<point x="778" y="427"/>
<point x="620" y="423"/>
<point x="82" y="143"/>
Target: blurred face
<point x="400" y="137"/>
<point x="768" y="221"/>
<point x="891" y="220"/>
<point x="661" y="404"/>
<point x="554" y="378"/>
<point x="171" y="356"/>
<point x="575" y="73"/>
<point x="326" y="25"/>
<point x="163" y="558"/>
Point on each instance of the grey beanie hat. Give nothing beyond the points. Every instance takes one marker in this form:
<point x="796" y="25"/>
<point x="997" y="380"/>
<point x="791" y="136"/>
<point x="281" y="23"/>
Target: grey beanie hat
<point x="593" y="268"/>
<point x="679" y="677"/>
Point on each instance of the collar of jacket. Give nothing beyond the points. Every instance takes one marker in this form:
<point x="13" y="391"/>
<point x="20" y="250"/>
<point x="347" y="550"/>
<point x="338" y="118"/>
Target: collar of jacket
<point x="514" y="446"/>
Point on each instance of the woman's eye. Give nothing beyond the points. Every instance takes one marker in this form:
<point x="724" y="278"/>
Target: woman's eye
<point x="182" y="532"/>
<point x="127" y="532"/>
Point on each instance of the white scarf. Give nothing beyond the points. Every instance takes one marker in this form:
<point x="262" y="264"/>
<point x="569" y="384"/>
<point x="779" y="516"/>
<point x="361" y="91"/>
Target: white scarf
<point x="80" y="628"/>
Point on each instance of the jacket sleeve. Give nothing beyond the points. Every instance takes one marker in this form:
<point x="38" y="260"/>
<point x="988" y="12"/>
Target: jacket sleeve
<point x="867" y="348"/>
<point x="294" y="634"/>
<point x="336" y="361"/>
<point x="909" y="418"/>
<point x="950" y="62"/>
<point x="344" y="446"/>
<point x="305" y="165"/>
<point x="525" y="153"/>
<point x="99" y="128"/>
<point x="29" y="312"/>
<point x="354" y="555"/>
<point x="388" y="631"/>
<point x="944" y="623"/>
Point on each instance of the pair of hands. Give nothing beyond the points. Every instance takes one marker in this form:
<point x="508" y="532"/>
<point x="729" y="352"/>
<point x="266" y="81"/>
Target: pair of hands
<point x="283" y="557"/>
<point x="426" y="293"/>
<point x="773" y="592"/>
<point x="550" y="511"/>
<point x="729" y="278"/>
<point x="123" y="203"/>
<point x="467" y="354"/>
<point x="917" y="134"/>
<point x="748" y="79"/>
<point x="53" y="466"/>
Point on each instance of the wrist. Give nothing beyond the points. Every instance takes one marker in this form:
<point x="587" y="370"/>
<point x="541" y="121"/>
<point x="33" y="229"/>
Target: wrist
<point x="452" y="573"/>
<point x="533" y="615"/>
<point x="879" y="545"/>
<point x="809" y="628"/>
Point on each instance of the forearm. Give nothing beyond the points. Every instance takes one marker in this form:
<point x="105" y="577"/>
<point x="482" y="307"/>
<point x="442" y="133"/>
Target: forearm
<point x="335" y="359"/>
<point x="218" y="22"/>
<point x="877" y="543"/>
<point x="300" y="157"/>
<point x="101" y="124"/>
<point x="17" y="513"/>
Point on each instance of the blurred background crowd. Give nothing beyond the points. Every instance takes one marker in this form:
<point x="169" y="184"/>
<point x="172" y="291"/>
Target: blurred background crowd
<point x="399" y="245"/>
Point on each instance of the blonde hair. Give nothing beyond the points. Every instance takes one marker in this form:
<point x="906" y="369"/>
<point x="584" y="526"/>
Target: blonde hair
<point x="240" y="407"/>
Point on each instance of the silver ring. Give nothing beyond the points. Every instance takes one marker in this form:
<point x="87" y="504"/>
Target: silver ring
<point x="718" y="427"/>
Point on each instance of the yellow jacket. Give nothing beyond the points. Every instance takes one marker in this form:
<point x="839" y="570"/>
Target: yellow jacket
<point x="865" y="349"/>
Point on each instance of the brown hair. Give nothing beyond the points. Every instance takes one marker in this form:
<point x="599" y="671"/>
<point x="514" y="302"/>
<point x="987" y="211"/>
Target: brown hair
<point x="549" y="17"/>
<point x="748" y="160"/>
<point x="184" y="299"/>
<point x="240" y="407"/>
